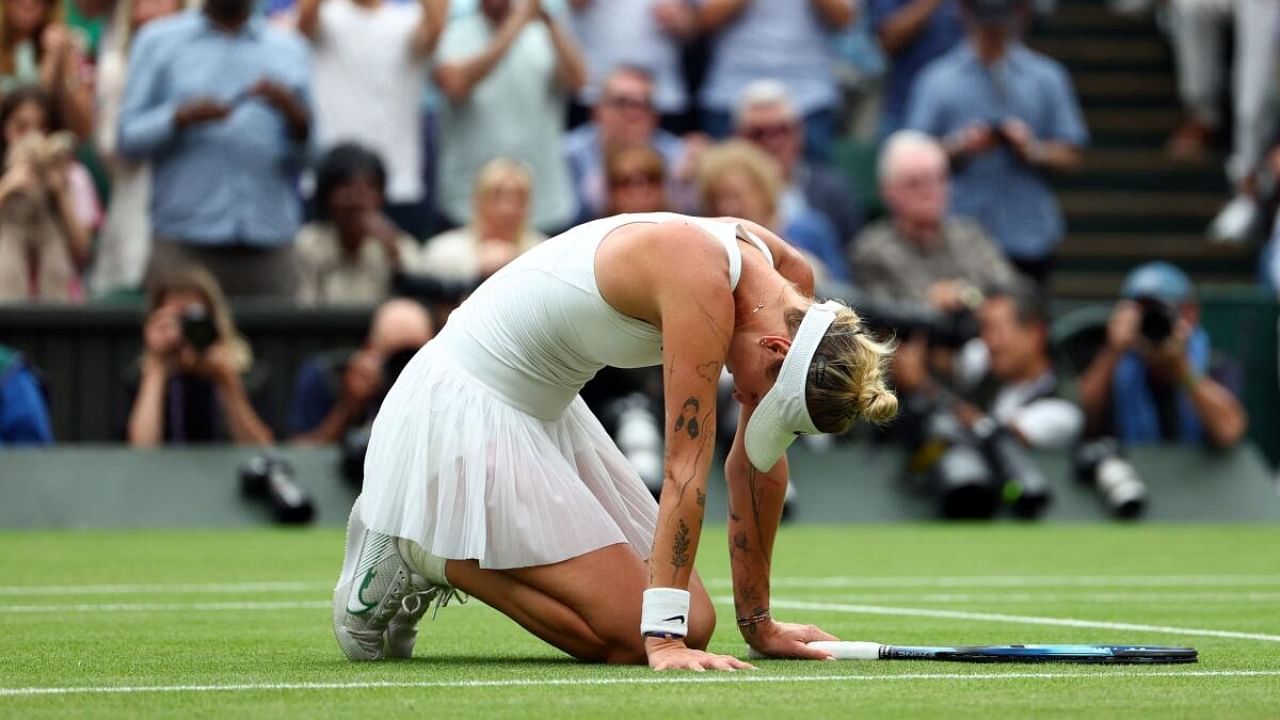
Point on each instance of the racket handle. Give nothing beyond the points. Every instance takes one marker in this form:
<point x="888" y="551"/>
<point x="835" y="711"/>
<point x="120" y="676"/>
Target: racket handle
<point x="849" y="649"/>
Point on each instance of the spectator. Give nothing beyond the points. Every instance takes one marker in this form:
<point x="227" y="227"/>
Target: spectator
<point x="787" y="40"/>
<point x="352" y="252"/>
<point x="918" y="254"/>
<point x="37" y="48"/>
<point x="738" y="179"/>
<point x="766" y="117"/>
<point x="124" y="245"/>
<point x="189" y="386"/>
<point x="1007" y="116"/>
<point x="623" y="117"/>
<point x="506" y="72"/>
<point x="48" y="207"/>
<point x="1197" y="42"/>
<point x="1144" y="389"/>
<point x="226" y="147"/>
<point x="24" y="412"/>
<point x="913" y="33"/>
<point x="498" y="232"/>
<point x="341" y="390"/>
<point x="637" y="181"/>
<point x="638" y="34"/>
<point x="369" y="68"/>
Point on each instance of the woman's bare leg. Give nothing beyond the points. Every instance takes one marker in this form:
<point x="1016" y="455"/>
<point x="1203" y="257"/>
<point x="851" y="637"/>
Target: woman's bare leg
<point x="588" y="606"/>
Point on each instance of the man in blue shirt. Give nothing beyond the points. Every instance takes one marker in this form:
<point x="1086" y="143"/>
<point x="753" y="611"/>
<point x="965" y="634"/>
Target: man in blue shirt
<point x="217" y="100"/>
<point x="913" y="34"/>
<point x="1007" y="117"/>
<point x="24" y="418"/>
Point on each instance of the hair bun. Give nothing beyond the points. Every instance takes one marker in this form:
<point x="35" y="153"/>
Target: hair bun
<point x="878" y="403"/>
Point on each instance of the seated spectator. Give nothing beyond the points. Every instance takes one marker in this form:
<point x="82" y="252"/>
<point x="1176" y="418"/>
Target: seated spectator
<point x="637" y="181"/>
<point x="1197" y="35"/>
<point x="917" y="253"/>
<point x="36" y="48"/>
<point x="636" y="33"/>
<point x="189" y="385"/>
<point x="1004" y="137"/>
<point x="124" y="245"/>
<point x="1156" y="379"/>
<point x="498" y="232"/>
<point x="225" y="147"/>
<point x="48" y="207"/>
<point x="507" y="71"/>
<point x="353" y="251"/>
<point x="623" y="117"/>
<point x="787" y="40"/>
<point x="340" y="390"/>
<point x="766" y="117"/>
<point x="369" y="61"/>
<point x="913" y="33"/>
<point x="24" y="411"/>
<point x="738" y="179"/>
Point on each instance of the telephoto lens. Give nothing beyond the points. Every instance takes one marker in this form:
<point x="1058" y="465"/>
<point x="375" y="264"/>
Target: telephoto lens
<point x="1026" y="489"/>
<point x="1102" y="465"/>
<point x="270" y="478"/>
<point x="965" y="486"/>
<point x="639" y="436"/>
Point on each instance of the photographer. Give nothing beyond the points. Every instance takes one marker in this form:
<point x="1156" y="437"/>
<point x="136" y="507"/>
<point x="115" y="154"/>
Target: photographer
<point x="190" y="385"/>
<point x="340" y="390"/>
<point x="1155" y="381"/>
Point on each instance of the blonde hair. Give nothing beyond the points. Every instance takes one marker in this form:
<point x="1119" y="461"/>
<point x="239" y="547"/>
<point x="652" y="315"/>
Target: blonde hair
<point x="736" y="156"/>
<point x="846" y="379"/>
<point x="199" y="281"/>
<point x="496" y="171"/>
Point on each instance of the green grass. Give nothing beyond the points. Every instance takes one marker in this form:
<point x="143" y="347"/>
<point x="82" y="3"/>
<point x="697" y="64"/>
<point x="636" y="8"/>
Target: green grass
<point x="158" y="633"/>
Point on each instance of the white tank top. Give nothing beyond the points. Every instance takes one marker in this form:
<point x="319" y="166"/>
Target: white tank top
<point x="539" y="329"/>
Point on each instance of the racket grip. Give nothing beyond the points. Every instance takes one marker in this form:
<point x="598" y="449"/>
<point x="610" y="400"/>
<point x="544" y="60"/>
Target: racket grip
<point x="849" y="649"/>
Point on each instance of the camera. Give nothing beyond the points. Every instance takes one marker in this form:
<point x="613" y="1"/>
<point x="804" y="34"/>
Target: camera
<point x="355" y="442"/>
<point x="1102" y="465"/>
<point x="269" y="478"/>
<point x="198" y="328"/>
<point x="1158" y="319"/>
<point x="638" y="434"/>
<point x="904" y="318"/>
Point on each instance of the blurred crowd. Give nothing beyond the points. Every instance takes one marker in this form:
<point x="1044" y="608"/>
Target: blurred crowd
<point x="347" y="152"/>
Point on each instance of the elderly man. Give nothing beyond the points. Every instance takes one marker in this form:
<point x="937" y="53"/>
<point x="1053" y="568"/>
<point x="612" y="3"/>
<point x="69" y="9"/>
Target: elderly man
<point x="623" y="118"/>
<point x="918" y="253"/>
<point x="766" y="117"/>
<point x="1008" y="117"/>
<point x="1155" y="380"/>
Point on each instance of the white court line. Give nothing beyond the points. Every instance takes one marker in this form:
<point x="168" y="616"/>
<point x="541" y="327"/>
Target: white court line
<point x="176" y="588"/>
<point x="717" y="679"/>
<point x="168" y="607"/>
<point x="1014" y="619"/>
<point x="1086" y="597"/>
<point x="1018" y="581"/>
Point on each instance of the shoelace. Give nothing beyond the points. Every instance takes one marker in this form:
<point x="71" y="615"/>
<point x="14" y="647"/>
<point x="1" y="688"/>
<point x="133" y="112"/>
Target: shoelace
<point x="415" y="601"/>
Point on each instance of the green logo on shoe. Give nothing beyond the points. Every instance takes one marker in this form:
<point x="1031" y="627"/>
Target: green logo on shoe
<point x="359" y="595"/>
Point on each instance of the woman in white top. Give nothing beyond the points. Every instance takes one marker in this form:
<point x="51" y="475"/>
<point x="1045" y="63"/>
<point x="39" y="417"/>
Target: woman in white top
<point x="487" y="475"/>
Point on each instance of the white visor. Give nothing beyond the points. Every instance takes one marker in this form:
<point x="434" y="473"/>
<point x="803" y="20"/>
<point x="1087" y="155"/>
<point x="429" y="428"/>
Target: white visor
<point x="783" y="414"/>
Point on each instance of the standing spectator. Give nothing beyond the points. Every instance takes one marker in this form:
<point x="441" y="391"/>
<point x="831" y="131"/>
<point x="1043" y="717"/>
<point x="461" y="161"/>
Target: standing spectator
<point x="766" y="117"/>
<point x="637" y="179"/>
<point x="638" y="34"/>
<point x="913" y="33"/>
<point x="24" y="411"/>
<point x="369" y="68"/>
<point x="737" y="179"/>
<point x="48" y="207"/>
<point x="124" y="244"/>
<point x="498" y="232"/>
<point x="623" y="117"/>
<point x="507" y="72"/>
<point x="1143" y="390"/>
<point x="918" y="254"/>
<point x="190" y="385"/>
<point x="1197" y="42"/>
<point x="353" y="251"/>
<point x="1007" y="117"/>
<point x="37" y="48"/>
<point x="218" y="102"/>
<point x="787" y="40"/>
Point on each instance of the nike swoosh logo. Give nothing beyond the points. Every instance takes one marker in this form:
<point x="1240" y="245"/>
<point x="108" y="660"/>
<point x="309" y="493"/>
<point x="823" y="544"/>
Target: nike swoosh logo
<point x="677" y="618"/>
<point x="362" y="606"/>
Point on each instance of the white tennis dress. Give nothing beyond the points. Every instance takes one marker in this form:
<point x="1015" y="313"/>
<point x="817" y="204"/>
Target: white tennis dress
<point x="483" y="450"/>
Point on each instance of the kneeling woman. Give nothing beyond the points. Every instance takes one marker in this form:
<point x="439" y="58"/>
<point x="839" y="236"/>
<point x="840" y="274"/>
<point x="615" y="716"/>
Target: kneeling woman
<point x="487" y="474"/>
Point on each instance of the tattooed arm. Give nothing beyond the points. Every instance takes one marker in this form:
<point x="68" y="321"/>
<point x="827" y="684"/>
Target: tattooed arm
<point x="755" y="509"/>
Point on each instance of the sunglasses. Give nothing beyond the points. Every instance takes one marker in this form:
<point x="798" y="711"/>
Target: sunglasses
<point x="622" y="102"/>
<point x="761" y="133"/>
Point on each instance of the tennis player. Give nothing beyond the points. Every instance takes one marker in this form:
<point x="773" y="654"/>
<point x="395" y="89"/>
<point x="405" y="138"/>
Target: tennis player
<point x="487" y="475"/>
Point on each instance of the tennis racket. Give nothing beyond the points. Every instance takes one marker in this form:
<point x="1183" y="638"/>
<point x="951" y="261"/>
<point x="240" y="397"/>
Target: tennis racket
<point x="1109" y="654"/>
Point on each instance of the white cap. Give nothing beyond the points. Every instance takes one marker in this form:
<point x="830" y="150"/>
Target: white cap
<point x="783" y="413"/>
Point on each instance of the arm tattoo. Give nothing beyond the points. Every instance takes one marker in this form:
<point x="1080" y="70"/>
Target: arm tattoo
<point x="680" y="547"/>
<point x="709" y="371"/>
<point x="688" y="420"/>
<point x="755" y="503"/>
<point x="740" y="541"/>
<point x="702" y="498"/>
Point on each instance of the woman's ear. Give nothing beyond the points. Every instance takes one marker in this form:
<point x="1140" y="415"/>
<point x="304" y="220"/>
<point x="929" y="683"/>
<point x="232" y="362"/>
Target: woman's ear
<point x="778" y="344"/>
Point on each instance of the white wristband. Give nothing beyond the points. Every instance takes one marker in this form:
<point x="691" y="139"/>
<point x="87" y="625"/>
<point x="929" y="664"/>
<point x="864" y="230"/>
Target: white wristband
<point x="665" y="613"/>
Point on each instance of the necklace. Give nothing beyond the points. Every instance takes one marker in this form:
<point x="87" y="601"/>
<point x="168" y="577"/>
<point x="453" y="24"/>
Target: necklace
<point x="760" y="305"/>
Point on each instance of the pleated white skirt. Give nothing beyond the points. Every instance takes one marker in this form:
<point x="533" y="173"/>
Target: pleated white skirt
<point x="454" y="467"/>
